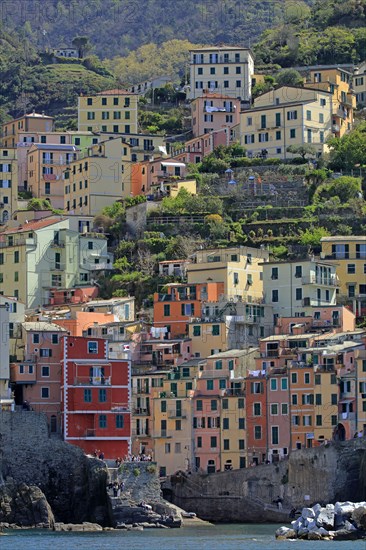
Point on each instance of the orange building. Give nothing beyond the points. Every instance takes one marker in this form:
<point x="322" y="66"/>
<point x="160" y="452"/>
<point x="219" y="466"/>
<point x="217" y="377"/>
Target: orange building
<point x="95" y="397"/>
<point x="181" y="302"/>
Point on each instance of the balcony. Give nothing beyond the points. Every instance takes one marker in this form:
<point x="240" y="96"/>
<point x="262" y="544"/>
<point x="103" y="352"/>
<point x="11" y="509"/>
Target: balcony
<point x="143" y="390"/>
<point x="92" y="381"/>
<point x="57" y="266"/>
<point x="57" y="244"/>
<point x="19" y="241"/>
<point x="319" y="281"/>
<point x="232" y="392"/>
<point x="101" y="266"/>
<point x="176" y="415"/>
<point x="347" y="416"/>
<point x="141" y="412"/>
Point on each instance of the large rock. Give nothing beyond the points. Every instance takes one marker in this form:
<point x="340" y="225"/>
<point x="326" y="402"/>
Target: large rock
<point x="283" y="533"/>
<point x="326" y="517"/>
<point x="308" y="513"/>
<point x="78" y="527"/>
<point x="359" y="517"/>
<point x="24" y="505"/>
<point x="343" y="534"/>
<point x="345" y="509"/>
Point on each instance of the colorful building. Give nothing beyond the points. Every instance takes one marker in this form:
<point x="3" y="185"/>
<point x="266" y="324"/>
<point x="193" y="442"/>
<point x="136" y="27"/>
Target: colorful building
<point x="113" y="111"/>
<point x="213" y="112"/>
<point x="33" y="122"/>
<point x="348" y="255"/>
<point x="8" y="183"/>
<point x="102" y="177"/>
<point x="225" y="70"/>
<point x="95" y="397"/>
<point x="287" y="116"/>
<point x="359" y="83"/>
<point x="6" y="398"/>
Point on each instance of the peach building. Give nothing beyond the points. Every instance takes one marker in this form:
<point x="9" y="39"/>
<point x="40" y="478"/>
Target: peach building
<point x="213" y="112"/>
<point x="33" y="122"/>
<point x="37" y="376"/>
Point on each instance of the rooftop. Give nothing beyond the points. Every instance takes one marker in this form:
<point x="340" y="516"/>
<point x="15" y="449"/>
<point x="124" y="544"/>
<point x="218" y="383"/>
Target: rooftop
<point x="33" y="225"/>
<point x="115" y="91"/>
<point x="342" y="238"/>
<point x="233" y="353"/>
<point x="42" y="326"/>
<point x="56" y="146"/>
<point x="110" y="302"/>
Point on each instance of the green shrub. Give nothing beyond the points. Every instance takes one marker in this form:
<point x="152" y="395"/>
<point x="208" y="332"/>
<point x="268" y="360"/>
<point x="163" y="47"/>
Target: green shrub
<point x="136" y="472"/>
<point x="151" y="468"/>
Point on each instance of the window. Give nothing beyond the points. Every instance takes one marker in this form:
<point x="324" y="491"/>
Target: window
<point x="275" y="435"/>
<point x="294" y="377"/>
<point x="278" y="119"/>
<point x="257" y="432"/>
<point x="16" y="257"/>
<point x="87" y="395"/>
<point x="295" y="420"/>
<point x="90" y="115"/>
<point x="45" y="352"/>
<point x="225" y="424"/>
<point x="278" y="134"/>
<point x="274" y="274"/>
<point x="274" y="409"/>
<point x="284" y="408"/>
<point x="273" y="384"/>
<point x="307" y="399"/>
<point x="196" y="330"/>
<point x="292" y="115"/>
<point x="55" y="339"/>
<point x="263" y="121"/>
<point x="120" y="421"/>
<point x="177" y="448"/>
<point x="307" y="378"/>
<point x="241" y="444"/>
<point x="45" y="393"/>
<point x="351" y="269"/>
<point x="199" y="442"/>
<point x="199" y="405"/>
<point x="257" y="409"/>
<point x="213" y="442"/>
<point x="240" y="403"/>
<point x="284" y="384"/>
<point x="178" y="425"/>
<point x="102" y="421"/>
<point x="166" y="310"/>
<point x="215" y="330"/>
<point x="231" y="364"/>
<point x="262" y="138"/>
<point x="238" y="83"/>
<point x="308" y="115"/>
<point x="210" y="384"/>
<point x="92" y="347"/>
<point x="163" y="406"/>
<point x="292" y="133"/>
<point x="226" y="445"/>
<point x="102" y="395"/>
<point x="222" y="384"/>
<point x="274" y="295"/>
<point x="294" y="399"/>
<point x="318" y="399"/>
<point x="334" y="399"/>
<point x="213" y="405"/>
<point x="306" y="420"/>
<point x="35" y="338"/>
<point x="89" y="101"/>
<point x="167" y="448"/>
<point x="241" y="423"/>
<point x="323" y="102"/>
<point x="334" y="419"/>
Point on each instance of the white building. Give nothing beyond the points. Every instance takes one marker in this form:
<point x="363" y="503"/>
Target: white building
<point x="225" y="70"/>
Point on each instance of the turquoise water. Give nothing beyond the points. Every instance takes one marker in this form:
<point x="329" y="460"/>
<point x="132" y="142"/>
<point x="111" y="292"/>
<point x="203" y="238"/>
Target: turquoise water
<point x="226" y="537"/>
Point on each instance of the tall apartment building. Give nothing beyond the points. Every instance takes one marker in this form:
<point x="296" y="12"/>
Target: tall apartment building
<point x="286" y="116"/>
<point x="8" y="183"/>
<point x="214" y="112"/>
<point x="113" y="111"/>
<point x="359" y="83"/>
<point x="225" y="70"/>
<point x="348" y="255"/>
<point x="44" y="255"/>
<point x="95" y="397"/>
<point x="102" y="177"/>
<point x="294" y="288"/>
<point x="46" y="164"/>
<point x="33" y="122"/>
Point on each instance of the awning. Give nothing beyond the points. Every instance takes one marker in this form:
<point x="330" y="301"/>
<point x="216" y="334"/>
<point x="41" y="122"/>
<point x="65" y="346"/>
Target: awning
<point x="181" y="164"/>
<point x="346" y="401"/>
<point x="160" y="346"/>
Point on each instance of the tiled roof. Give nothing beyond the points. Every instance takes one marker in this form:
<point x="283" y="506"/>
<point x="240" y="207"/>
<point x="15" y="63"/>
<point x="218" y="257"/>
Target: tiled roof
<point x="33" y="225"/>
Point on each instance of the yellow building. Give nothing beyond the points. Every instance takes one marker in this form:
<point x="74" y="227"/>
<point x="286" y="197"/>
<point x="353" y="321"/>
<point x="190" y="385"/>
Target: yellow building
<point x="359" y="84"/>
<point x="104" y="176"/>
<point x="339" y="83"/>
<point x="208" y="336"/>
<point x="46" y="165"/>
<point x="8" y="183"/>
<point x="112" y="111"/>
<point x="286" y="116"/>
<point x="233" y="430"/>
<point x="33" y="122"/>
<point x="349" y="256"/>
<point x="239" y="268"/>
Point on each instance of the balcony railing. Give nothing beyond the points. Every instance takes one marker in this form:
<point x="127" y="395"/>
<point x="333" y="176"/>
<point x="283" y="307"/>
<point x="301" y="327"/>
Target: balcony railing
<point x="176" y="414"/>
<point x="57" y="244"/>
<point x="141" y="412"/>
<point x="92" y="381"/>
<point x="321" y="281"/>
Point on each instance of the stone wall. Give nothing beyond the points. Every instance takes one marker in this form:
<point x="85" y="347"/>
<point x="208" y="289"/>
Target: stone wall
<point x="74" y="485"/>
<point x="324" y="474"/>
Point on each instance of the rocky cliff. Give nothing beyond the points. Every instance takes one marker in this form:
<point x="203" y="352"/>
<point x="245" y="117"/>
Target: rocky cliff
<point x="73" y="485"/>
<point x="323" y="474"/>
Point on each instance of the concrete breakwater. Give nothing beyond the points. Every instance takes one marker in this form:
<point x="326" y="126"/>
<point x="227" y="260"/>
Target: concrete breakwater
<point x="334" y="472"/>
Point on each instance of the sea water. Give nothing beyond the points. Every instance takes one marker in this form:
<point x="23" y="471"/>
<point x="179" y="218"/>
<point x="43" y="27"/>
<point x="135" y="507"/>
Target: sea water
<point x="225" y="537"/>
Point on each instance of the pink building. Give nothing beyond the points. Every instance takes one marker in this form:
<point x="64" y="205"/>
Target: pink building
<point x="37" y="378"/>
<point x="336" y="318"/>
<point x="278" y="415"/>
<point x="78" y="295"/>
<point x="206" y="423"/>
<point x="213" y="112"/>
<point x="199" y="147"/>
<point x="154" y="350"/>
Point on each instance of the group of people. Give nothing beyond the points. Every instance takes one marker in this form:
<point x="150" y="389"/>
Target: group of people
<point x="117" y="488"/>
<point x="98" y="454"/>
<point x="137" y="458"/>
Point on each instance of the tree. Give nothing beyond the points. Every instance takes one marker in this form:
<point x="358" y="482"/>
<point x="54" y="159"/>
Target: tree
<point x="83" y="45"/>
<point x="345" y="187"/>
<point x="302" y="150"/>
<point x="311" y="237"/>
<point x="349" y="150"/>
<point x="289" y="77"/>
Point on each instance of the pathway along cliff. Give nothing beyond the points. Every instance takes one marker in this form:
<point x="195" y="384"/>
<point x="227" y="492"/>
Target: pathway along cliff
<point x="326" y="474"/>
